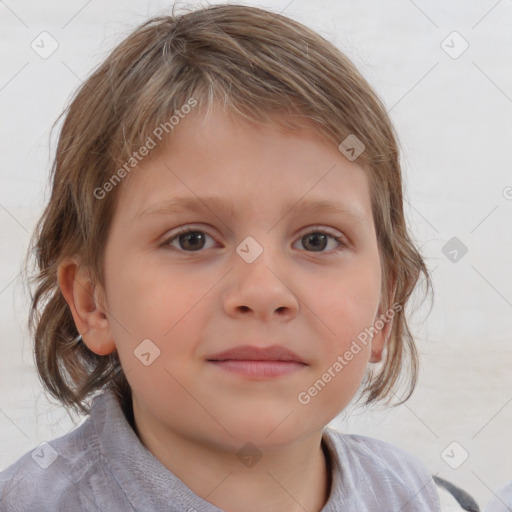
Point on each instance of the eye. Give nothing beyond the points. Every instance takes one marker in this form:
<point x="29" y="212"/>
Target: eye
<point x="318" y="240"/>
<point x="191" y="240"/>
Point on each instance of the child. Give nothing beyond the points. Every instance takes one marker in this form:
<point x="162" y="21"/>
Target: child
<point x="214" y="370"/>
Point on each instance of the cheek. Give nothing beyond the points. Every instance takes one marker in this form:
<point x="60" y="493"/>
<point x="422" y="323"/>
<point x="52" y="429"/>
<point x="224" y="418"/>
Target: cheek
<point x="149" y="302"/>
<point x="336" y="381"/>
<point x="161" y="329"/>
<point x="348" y="305"/>
<point x="150" y="299"/>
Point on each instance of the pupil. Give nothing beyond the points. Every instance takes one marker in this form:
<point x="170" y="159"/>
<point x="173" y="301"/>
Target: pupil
<point x="191" y="238"/>
<point x="312" y="237"/>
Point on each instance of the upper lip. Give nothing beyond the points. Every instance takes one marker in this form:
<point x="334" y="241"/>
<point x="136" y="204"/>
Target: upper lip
<point x="251" y="353"/>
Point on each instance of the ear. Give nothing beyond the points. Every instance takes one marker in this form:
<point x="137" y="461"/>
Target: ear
<point x="86" y="302"/>
<point x="380" y="339"/>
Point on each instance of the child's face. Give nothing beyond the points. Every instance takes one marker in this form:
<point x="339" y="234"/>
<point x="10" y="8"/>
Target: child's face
<point x="198" y="296"/>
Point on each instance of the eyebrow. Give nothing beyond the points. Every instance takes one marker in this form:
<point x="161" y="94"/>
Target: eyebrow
<point x="218" y="204"/>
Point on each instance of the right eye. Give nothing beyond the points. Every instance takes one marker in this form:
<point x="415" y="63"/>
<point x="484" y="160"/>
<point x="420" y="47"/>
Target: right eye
<point x="190" y="240"/>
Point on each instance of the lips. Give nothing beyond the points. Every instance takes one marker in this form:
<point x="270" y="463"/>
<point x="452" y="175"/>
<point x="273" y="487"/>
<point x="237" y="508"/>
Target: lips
<point x="251" y="353"/>
<point x="253" y="363"/>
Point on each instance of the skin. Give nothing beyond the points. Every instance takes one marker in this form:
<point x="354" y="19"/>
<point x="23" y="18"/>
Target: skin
<point x="190" y="414"/>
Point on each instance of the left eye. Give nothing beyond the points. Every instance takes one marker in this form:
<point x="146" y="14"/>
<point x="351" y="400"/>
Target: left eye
<point x="193" y="240"/>
<point x="318" y="240"/>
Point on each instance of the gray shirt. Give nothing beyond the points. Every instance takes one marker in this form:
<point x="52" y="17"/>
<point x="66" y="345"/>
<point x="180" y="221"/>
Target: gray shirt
<point x="501" y="500"/>
<point x="101" y="466"/>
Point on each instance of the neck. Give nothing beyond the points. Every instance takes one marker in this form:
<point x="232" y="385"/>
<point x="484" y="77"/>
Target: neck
<point x="295" y="477"/>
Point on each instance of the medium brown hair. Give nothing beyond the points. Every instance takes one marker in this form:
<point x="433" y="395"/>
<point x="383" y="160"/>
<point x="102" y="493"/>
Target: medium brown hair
<point x="257" y="64"/>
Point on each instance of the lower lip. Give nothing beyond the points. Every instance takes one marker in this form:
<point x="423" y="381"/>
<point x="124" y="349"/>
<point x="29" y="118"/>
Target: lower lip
<point x="261" y="369"/>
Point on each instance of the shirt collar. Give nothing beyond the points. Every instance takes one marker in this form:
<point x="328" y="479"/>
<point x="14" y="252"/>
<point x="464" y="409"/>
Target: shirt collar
<point x="147" y="483"/>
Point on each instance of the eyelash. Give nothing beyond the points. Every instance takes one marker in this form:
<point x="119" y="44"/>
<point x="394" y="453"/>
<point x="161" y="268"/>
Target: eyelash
<point x="184" y="231"/>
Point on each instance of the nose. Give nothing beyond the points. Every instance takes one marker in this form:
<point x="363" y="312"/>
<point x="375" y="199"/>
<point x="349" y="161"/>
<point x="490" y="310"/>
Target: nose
<point x="261" y="289"/>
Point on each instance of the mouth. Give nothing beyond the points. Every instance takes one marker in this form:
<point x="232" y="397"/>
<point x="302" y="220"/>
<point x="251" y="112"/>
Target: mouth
<point x="257" y="362"/>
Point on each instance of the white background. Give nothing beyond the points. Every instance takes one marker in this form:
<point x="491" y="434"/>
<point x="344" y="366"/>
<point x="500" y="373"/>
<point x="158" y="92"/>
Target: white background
<point x="453" y="116"/>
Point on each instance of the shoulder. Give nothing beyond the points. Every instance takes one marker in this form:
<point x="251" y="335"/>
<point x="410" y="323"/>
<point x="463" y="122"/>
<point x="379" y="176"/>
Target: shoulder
<point x="73" y="472"/>
<point x="387" y="462"/>
<point x="391" y="471"/>
<point x="48" y="475"/>
<point x="501" y="500"/>
<point x="371" y="452"/>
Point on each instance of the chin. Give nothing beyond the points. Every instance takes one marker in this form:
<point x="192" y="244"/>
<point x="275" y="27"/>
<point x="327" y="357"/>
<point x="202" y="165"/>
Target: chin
<point x="268" y="434"/>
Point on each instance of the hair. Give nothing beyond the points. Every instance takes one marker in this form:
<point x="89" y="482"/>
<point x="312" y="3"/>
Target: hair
<point x="260" y="65"/>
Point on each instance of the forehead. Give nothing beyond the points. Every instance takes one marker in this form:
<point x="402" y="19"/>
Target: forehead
<point x="219" y="161"/>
